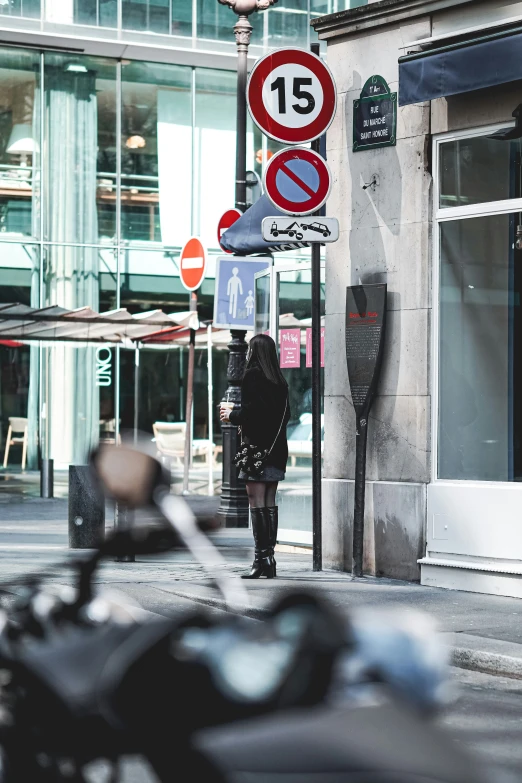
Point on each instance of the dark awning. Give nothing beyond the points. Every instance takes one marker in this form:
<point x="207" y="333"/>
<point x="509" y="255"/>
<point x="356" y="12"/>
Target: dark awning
<point x="460" y="67"/>
<point x="245" y="237"/>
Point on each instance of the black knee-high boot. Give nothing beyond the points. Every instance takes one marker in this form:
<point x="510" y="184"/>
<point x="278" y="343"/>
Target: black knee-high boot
<point x="263" y="564"/>
<point x="273" y="514"/>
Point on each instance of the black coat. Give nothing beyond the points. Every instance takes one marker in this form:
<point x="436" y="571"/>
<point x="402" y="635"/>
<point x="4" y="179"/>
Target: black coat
<point x="261" y="413"/>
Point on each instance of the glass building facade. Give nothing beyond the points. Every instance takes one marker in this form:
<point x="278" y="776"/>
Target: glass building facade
<point x="107" y="165"/>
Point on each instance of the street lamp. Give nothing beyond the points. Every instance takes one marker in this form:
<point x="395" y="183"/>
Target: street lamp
<point x="234" y="503"/>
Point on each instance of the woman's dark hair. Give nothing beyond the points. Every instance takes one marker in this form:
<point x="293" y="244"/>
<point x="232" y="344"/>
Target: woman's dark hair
<point x="262" y="353"/>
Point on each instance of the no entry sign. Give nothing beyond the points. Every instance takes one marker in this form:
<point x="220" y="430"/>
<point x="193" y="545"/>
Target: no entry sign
<point x="192" y="264"/>
<point x="291" y="96"/>
<point x="297" y="181"/>
<point x="226" y="220"/>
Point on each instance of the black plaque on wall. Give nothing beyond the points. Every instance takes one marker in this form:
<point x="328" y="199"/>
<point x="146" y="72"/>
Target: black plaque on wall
<point x="365" y="324"/>
<point x="365" y="320"/>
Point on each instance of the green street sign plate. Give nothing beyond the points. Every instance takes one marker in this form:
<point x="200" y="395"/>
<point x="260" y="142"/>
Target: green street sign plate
<point x="375" y="116"/>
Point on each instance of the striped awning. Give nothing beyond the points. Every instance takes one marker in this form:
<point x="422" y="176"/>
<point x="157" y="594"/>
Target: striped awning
<point x="84" y="325"/>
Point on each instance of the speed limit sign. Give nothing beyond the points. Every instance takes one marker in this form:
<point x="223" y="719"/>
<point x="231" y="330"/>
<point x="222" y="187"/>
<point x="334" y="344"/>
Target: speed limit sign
<point x="291" y="96"/>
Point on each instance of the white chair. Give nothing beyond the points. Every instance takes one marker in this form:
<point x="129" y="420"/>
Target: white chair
<point x="170" y="438"/>
<point x="170" y="441"/>
<point x="17" y="426"/>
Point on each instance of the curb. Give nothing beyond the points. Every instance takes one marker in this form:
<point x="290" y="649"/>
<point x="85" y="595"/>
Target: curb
<point x="462" y="657"/>
<point x="487" y="662"/>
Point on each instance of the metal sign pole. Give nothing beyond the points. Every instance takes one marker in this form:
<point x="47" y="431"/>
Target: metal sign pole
<point x="190" y="394"/>
<point x="317" y="553"/>
<point x="210" y="412"/>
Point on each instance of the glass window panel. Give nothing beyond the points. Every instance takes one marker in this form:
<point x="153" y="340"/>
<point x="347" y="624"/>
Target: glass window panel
<point x="181" y="17"/>
<point x="19" y="282"/>
<point x="288" y="24"/>
<point x="480" y="381"/>
<point x="148" y="15"/>
<point x="216" y="21"/>
<point x="295" y="499"/>
<point x="476" y="170"/>
<point x="156" y="153"/>
<point x="29" y="9"/>
<point x="19" y="143"/>
<point x="215" y="150"/>
<point x="100" y="13"/>
<point x="80" y="141"/>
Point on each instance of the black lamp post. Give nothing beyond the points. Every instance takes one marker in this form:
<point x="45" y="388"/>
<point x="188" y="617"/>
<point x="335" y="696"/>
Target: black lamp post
<point x="233" y="510"/>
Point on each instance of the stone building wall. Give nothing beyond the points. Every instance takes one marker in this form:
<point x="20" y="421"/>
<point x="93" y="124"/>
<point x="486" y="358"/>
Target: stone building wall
<point x="384" y="237"/>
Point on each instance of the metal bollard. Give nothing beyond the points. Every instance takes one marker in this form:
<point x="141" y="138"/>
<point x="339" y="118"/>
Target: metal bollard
<point x="47" y="478"/>
<point x="86" y="509"/>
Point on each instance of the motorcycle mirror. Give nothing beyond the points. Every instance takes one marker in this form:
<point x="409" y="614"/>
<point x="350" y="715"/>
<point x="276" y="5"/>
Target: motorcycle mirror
<point x="128" y="476"/>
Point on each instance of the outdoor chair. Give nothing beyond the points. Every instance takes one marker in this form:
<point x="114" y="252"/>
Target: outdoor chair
<point x="17" y="426"/>
<point x="170" y="441"/>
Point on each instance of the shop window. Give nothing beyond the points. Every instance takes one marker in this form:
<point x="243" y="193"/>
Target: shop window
<point x="156" y="153"/>
<point x="480" y="375"/>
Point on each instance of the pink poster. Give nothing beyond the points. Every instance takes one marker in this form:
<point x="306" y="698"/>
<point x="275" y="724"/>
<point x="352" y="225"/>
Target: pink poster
<point x="289" y="348"/>
<point x="309" y="347"/>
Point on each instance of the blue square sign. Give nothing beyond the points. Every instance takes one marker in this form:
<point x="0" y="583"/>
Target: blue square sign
<point x="234" y="299"/>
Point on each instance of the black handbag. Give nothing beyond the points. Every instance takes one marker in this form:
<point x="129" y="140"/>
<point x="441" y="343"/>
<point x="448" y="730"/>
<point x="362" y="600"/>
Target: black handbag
<point x="252" y="459"/>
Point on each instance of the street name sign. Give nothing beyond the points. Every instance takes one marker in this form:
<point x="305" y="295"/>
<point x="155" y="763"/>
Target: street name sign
<point x="297" y="181"/>
<point x="226" y="220"/>
<point x="234" y="298"/>
<point x="192" y="264"/>
<point x="375" y="116"/>
<point x="291" y="96"/>
<point x="321" y="229"/>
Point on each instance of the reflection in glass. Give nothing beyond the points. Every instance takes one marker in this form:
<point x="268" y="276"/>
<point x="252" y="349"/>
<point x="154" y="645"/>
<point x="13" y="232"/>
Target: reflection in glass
<point x="19" y="143"/>
<point x="156" y="153"/>
<point x="480" y="378"/>
<point x="79" y="131"/>
<point x="476" y="170"/>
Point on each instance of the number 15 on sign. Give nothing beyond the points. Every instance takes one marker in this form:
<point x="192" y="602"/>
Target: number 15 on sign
<point x="291" y="96"/>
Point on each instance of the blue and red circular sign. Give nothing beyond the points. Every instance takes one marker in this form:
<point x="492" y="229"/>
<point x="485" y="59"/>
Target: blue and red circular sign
<point x="297" y="181"/>
<point x="291" y="96"/>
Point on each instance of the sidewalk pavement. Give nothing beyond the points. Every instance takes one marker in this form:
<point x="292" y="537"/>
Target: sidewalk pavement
<point x="484" y="631"/>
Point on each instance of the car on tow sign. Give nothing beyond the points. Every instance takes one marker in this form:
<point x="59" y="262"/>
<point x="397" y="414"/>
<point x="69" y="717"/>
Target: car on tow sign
<point x="321" y="228"/>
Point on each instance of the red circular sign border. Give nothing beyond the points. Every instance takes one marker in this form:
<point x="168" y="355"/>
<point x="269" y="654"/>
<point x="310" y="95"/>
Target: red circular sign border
<point x="260" y="73"/>
<point x="239" y="214"/>
<point x="271" y="172"/>
<point x="203" y="274"/>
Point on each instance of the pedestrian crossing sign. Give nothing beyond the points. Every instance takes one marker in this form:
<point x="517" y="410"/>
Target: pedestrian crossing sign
<point x="234" y="298"/>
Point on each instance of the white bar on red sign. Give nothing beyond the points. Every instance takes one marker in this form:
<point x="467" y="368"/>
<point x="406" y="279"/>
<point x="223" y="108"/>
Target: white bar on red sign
<point x="192" y="263"/>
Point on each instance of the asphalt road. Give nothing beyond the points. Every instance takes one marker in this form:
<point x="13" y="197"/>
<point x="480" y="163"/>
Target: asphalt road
<point x="486" y="718"/>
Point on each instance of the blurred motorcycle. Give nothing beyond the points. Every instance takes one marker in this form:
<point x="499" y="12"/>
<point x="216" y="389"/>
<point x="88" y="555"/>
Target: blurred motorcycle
<point x="303" y="695"/>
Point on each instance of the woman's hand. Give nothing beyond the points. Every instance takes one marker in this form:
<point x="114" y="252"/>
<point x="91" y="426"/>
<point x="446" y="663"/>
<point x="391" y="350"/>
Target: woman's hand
<point x="224" y="414"/>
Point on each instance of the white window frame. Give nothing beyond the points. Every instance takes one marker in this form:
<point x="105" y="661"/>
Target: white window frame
<point x="442" y="215"/>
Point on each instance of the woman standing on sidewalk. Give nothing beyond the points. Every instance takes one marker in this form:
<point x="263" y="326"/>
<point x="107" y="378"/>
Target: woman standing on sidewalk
<point x="263" y="417"/>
